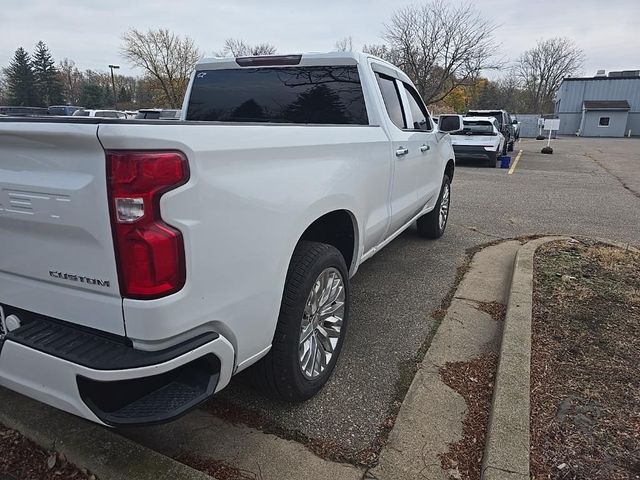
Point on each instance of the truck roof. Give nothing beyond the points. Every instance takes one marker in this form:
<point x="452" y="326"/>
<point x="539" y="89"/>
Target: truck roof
<point x="295" y="59"/>
<point x="493" y="110"/>
<point x="477" y="119"/>
<point x="332" y="58"/>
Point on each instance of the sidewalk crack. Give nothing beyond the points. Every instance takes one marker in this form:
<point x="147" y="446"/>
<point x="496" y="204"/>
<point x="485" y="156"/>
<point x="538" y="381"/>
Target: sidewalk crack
<point x="505" y="470"/>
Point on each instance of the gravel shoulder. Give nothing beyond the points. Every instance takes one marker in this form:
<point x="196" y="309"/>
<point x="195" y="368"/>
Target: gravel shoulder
<point x="585" y="388"/>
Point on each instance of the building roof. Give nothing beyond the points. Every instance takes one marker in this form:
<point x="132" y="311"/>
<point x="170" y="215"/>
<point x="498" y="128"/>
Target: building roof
<point x="606" y="105"/>
<point x="581" y="79"/>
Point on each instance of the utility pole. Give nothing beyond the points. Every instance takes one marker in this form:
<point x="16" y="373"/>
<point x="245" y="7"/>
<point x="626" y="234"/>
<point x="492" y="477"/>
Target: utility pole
<point x="113" y="84"/>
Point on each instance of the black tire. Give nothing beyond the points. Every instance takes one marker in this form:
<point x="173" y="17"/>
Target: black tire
<point x="493" y="160"/>
<point x="429" y="224"/>
<point x="279" y="373"/>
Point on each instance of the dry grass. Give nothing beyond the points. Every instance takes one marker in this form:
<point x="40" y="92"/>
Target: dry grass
<point x="474" y="381"/>
<point x="585" y="403"/>
<point x="497" y="310"/>
<point x="217" y="468"/>
<point x="21" y="459"/>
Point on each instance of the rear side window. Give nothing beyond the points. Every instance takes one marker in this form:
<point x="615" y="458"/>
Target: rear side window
<point x="418" y="111"/>
<point x="148" y="115"/>
<point x="315" y="95"/>
<point x="475" y="127"/>
<point x="106" y="114"/>
<point x="391" y="98"/>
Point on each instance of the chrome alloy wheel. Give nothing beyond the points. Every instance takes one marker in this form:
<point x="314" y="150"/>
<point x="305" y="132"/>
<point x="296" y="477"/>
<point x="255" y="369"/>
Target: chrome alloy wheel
<point x="444" y="206"/>
<point x="321" y="323"/>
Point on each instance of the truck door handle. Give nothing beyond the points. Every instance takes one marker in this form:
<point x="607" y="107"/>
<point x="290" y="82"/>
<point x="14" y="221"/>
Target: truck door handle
<point x="401" y="151"/>
<point x="424" y="148"/>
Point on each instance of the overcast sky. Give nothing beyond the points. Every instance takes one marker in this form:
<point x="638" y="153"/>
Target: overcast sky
<point x="89" y="31"/>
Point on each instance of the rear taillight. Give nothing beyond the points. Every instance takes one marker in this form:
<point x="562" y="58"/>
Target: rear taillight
<point x="149" y="252"/>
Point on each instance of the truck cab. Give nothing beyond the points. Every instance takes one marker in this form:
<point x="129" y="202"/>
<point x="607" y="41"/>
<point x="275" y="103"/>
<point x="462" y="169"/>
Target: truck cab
<point x="144" y="263"/>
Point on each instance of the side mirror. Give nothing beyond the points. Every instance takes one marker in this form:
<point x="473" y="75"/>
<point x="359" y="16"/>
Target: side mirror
<point x="514" y="122"/>
<point x="450" y="123"/>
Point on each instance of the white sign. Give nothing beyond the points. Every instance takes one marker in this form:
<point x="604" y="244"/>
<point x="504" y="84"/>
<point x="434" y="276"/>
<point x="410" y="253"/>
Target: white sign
<point x="552" y="124"/>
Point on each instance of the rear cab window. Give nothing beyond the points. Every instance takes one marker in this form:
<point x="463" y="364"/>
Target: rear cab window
<point x="476" y="127"/>
<point x="497" y="115"/>
<point x="302" y="94"/>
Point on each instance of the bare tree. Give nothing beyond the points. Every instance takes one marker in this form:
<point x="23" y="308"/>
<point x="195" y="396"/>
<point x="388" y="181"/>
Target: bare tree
<point x="441" y="46"/>
<point x="167" y="59"/>
<point x="234" y="47"/>
<point x="72" y="80"/>
<point x="344" y="45"/>
<point x="505" y="93"/>
<point x="542" y="68"/>
<point x="384" y="52"/>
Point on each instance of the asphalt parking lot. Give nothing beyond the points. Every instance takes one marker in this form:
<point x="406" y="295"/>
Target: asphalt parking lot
<point x="587" y="187"/>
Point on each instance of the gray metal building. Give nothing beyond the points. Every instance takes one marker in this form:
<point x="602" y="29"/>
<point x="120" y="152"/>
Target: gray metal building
<point x="600" y="106"/>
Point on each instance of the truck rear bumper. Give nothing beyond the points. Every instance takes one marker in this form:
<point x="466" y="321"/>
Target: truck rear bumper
<point x="473" y="152"/>
<point x="156" y="387"/>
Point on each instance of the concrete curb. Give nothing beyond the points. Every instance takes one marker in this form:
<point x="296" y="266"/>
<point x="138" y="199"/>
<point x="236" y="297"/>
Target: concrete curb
<point x="87" y="445"/>
<point x="432" y="414"/>
<point x="507" y="447"/>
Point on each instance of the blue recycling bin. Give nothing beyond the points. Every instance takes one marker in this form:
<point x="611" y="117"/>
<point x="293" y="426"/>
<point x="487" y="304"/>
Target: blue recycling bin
<point x="505" y="161"/>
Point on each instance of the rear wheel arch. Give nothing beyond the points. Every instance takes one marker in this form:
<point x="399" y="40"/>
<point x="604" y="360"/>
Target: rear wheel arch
<point x="338" y="228"/>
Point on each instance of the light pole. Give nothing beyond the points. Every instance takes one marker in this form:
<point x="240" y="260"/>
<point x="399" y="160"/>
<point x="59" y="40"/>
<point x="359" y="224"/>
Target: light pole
<point x="113" y="84"/>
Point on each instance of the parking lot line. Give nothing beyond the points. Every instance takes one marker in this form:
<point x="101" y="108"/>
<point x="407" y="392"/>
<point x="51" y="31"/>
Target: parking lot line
<point x="515" y="162"/>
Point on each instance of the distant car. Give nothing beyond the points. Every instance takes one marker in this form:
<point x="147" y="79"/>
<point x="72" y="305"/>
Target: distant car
<point x="480" y="139"/>
<point x="158" y="114"/>
<point x="504" y="121"/>
<point x="99" y="113"/>
<point x="63" y="110"/>
<point x="516" y="128"/>
<point x="13" y="111"/>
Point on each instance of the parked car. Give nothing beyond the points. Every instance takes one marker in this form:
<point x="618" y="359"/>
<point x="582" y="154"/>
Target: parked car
<point x="479" y="140"/>
<point x="505" y="122"/>
<point x="14" y="111"/>
<point x="516" y="128"/>
<point x="63" y="110"/>
<point x="99" y="113"/>
<point x="143" y="264"/>
<point x="158" y="114"/>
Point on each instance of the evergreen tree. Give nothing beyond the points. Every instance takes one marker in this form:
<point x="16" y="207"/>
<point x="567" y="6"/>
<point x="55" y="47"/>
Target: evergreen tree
<point x="20" y="80"/>
<point x="92" y="96"/>
<point x="49" y="86"/>
<point x="319" y="104"/>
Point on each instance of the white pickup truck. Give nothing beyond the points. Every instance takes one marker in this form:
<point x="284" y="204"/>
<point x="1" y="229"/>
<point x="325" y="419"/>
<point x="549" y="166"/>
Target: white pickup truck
<point x="142" y="264"/>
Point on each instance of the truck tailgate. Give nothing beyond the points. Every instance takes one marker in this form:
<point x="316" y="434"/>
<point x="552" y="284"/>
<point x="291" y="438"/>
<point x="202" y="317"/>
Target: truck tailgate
<point x="56" y="246"/>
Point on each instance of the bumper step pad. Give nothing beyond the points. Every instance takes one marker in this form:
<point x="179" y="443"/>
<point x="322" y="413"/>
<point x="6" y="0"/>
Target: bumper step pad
<point x="91" y="348"/>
